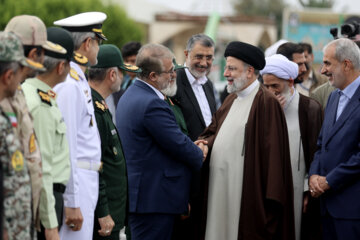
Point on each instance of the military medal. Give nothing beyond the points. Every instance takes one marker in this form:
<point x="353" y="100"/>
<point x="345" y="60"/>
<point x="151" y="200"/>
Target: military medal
<point x="17" y="161"/>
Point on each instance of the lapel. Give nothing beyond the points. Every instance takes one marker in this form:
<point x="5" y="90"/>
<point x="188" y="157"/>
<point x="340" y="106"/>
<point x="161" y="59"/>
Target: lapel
<point x="332" y="126"/>
<point x="191" y="95"/>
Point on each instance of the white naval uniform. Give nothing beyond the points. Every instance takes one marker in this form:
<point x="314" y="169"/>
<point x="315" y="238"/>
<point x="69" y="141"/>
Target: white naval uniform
<point x="75" y="103"/>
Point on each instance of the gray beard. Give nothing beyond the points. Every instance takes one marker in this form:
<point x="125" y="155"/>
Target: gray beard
<point x="238" y="85"/>
<point x="170" y="91"/>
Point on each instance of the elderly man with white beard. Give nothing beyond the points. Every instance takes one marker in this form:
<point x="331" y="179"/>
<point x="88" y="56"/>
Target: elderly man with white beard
<point x="250" y="193"/>
<point x="304" y="118"/>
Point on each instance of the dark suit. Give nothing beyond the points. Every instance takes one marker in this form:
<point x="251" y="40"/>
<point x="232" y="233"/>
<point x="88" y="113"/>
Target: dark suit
<point x="186" y="100"/>
<point x="189" y="105"/>
<point x="338" y="158"/>
<point x="159" y="159"/>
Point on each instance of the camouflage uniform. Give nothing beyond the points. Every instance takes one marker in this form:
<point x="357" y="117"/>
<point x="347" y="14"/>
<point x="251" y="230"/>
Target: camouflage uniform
<point x="16" y="184"/>
<point x="16" y="109"/>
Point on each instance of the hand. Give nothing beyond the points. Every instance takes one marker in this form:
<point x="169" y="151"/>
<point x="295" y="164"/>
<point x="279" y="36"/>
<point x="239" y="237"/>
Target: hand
<point x="185" y="216"/>
<point x="106" y="225"/>
<point x="323" y="183"/>
<point x="281" y="99"/>
<point x="52" y="234"/>
<point x="5" y="235"/>
<point x="306" y="201"/>
<point x="202" y="144"/>
<point x="73" y="217"/>
<point x="318" y="185"/>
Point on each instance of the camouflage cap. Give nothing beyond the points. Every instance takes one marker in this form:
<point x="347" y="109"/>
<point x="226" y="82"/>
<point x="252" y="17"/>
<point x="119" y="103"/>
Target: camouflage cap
<point x="11" y="50"/>
<point x="32" y="31"/>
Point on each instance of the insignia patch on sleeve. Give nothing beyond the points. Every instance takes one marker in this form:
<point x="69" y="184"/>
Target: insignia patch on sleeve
<point x="45" y="98"/>
<point x="32" y="146"/>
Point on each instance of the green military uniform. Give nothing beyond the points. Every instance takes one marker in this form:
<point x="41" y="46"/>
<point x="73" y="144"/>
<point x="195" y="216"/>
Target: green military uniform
<point x="51" y="132"/>
<point x="112" y="180"/>
<point x="17" y="216"/>
<point x="178" y="115"/>
<point x="16" y="109"/>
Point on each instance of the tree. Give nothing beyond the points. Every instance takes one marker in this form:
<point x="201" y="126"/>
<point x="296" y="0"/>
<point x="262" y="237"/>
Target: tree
<point x="118" y="28"/>
<point x="317" y="3"/>
<point x="266" y="8"/>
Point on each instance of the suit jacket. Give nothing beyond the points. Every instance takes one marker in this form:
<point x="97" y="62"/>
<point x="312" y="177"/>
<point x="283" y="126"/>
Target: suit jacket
<point x="159" y="157"/>
<point x="338" y="158"/>
<point x="189" y="105"/>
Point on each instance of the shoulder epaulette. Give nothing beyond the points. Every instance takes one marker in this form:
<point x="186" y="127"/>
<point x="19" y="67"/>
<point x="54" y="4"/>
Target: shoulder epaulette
<point x="45" y="98"/>
<point x="74" y="74"/>
<point x="100" y="106"/>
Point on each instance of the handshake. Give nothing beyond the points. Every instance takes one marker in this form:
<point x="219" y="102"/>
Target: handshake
<point x="202" y="144"/>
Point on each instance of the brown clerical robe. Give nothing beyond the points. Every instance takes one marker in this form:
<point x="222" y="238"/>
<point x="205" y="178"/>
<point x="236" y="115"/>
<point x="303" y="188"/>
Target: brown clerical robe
<point x="310" y="120"/>
<point x="267" y="196"/>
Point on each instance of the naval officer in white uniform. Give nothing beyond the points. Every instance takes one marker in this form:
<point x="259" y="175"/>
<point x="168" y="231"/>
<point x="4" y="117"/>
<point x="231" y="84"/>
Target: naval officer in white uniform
<point x="75" y="103"/>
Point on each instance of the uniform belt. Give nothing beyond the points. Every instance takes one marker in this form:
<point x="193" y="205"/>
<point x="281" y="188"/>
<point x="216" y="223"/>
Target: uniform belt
<point x="59" y="187"/>
<point x="95" y="166"/>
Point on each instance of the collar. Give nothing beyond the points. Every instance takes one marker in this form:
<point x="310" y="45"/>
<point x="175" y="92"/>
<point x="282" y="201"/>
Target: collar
<point x="38" y="84"/>
<point x="160" y="95"/>
<point x="351" y="88"/>
<point x="193" y="81"/>
<point x="248" y="90"/>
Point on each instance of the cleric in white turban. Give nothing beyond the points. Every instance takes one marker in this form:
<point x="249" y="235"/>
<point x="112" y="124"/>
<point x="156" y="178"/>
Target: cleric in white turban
<point x="303" y="119"/>
<point x="281" y="67"/>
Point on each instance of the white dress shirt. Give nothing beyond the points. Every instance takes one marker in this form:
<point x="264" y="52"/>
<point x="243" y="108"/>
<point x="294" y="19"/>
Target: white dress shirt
<point x="196" y="85"/>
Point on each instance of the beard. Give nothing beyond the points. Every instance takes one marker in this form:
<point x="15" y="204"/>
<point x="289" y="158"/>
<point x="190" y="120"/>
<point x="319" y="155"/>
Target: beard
<point x="198" y="74"/>
<point x="170" y="90"/>
<point x="238" y="84"/>
<point x="287" y="94"/>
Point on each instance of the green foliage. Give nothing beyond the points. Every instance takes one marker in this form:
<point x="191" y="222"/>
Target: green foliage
<point x="118" y="28"/>
<point x="266" y="8"/>
<point x="317" y="3"/>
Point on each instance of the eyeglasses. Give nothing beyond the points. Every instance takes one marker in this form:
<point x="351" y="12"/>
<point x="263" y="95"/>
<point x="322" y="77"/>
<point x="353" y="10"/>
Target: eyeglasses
<point x="200" y="57"/>
<point x="171" y="71"/>
<point x="99" y="40"/>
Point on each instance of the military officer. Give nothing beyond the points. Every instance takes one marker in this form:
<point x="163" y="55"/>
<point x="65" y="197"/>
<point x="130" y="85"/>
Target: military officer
<point x="32" y="32"/>
<point x="16" y="186"/>
<point x="105" y="78"/>
<point x="75" y="103"/>
<point x="50" y="130"/>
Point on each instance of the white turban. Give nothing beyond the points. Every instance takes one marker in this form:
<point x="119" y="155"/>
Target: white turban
<point x="281" y="67"/>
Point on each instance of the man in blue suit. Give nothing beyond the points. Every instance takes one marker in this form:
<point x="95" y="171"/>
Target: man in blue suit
<point x="159" y="157"/>
<point x="335" y="171"/>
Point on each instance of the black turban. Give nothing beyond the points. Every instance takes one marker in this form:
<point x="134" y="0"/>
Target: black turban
<point x="247" y="53"/>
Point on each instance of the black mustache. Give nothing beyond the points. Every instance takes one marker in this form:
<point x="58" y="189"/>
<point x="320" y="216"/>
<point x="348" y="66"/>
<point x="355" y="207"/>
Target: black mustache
<point x="200" y="66"/>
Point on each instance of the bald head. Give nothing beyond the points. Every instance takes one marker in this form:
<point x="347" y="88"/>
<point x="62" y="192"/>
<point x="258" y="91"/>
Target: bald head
<point x="150" y="59"/>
